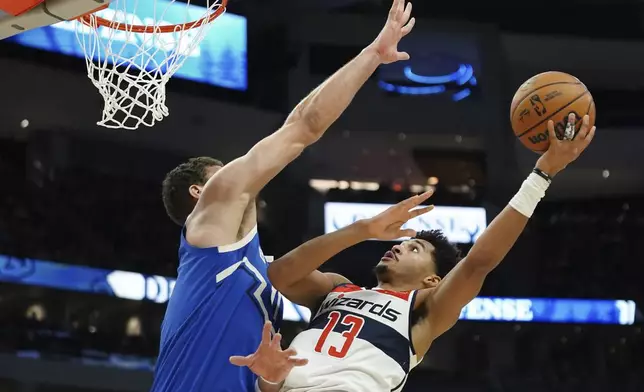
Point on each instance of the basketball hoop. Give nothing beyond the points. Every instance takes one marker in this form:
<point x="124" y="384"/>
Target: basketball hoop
<point x="131" y="57"/>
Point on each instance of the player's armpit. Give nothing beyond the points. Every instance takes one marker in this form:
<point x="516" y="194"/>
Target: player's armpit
<point x="312" y="289"/>
<point x="217" y="217"/>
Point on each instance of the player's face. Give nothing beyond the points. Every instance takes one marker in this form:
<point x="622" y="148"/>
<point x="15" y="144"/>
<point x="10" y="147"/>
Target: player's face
<point x="409" y="262"/>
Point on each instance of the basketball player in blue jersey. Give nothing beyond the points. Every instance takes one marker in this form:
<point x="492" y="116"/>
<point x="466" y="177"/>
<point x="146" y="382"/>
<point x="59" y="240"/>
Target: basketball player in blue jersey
<point x="223" y="295"/>
<point x="368" y="340"/>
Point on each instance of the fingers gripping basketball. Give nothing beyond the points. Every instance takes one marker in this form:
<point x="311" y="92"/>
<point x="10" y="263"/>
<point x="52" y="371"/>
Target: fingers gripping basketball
<point x="549" y="96"/>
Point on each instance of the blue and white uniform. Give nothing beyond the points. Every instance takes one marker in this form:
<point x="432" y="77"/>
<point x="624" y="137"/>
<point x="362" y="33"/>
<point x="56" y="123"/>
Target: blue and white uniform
<point x="220" y="302"/>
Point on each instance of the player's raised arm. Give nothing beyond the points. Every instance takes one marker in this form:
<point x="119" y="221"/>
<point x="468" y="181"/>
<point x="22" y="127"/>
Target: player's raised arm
<point x="464" y="282"/>
<point x="223" y="199"/>
<point x="295" y="274"/>
<point x="312" y="117"/>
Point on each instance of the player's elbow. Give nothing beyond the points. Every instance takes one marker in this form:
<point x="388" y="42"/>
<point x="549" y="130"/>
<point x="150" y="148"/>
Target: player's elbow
<point x="308" y="122"/>
<point x="312" y="126"/>
<point x="278" y="278"/>
<point x="283" y="277"/>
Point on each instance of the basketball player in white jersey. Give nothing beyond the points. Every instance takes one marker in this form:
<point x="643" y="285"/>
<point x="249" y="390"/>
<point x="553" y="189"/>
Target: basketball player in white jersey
<point x="363" y="340"/>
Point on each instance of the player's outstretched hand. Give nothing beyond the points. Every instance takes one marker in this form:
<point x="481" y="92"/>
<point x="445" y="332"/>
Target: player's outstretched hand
<point x="399" y="24"/>
<point x="388" y="224"/>
<point x="270" y="362"/>
<point x="562" y="152"/>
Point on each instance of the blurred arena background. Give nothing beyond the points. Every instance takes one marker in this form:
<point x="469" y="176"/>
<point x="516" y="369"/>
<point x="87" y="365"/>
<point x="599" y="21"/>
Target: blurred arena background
<point x="87" y="255"/>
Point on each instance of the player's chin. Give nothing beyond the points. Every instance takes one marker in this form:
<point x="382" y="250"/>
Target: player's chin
<point x="381" y="268"/>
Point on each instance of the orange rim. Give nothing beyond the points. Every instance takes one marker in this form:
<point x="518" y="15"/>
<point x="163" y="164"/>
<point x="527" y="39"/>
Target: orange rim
<point x="92" y="20"/>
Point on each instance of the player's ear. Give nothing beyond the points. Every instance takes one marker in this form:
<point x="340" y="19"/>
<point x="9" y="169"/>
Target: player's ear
<point x="195" y="191"/>
<point x="431" y="281"/>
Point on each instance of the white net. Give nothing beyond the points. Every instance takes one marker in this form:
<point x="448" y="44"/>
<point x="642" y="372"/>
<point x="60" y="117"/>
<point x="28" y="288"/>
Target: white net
<point x="130" y="66"/>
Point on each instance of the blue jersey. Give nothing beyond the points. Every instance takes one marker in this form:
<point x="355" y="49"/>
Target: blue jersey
<point x="218" y="307"/>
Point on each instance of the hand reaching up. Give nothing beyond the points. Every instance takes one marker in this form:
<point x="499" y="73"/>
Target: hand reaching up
<point x="563" y="152"/>
<point x="399" y="24"/>
<point x="388" y="224"/>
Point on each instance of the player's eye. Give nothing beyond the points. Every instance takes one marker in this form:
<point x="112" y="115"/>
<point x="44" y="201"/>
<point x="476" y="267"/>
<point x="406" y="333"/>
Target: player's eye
<point x="414" y="249"/>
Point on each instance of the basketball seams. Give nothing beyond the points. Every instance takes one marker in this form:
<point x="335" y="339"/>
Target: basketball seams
<point x="534" y="91"/>
<point x="592" y="104"/>
<point x="553" y="114"/>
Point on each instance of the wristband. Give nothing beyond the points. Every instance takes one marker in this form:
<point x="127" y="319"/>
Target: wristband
<point x="530" y="194"/>
<point x="542" y="174"/>
<point x="269" y="382"/>
<point x="258" y="389"/>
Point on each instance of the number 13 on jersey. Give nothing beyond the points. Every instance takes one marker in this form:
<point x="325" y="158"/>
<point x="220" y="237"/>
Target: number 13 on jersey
<point x="354" y="323"/>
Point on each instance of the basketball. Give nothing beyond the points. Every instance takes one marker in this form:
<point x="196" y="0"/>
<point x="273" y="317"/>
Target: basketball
<point x="548" y="96"/>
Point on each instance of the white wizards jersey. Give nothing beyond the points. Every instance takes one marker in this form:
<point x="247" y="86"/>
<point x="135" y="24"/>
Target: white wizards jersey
<point x="358" y="341"/>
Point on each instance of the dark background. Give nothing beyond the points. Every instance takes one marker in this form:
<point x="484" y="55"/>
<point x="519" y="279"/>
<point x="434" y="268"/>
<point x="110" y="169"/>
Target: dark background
<point x="75" y="193"/>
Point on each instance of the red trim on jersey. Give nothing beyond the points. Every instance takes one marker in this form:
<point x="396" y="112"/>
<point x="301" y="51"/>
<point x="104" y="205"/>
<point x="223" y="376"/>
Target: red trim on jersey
<point x="400" y="294"/>
<point x="346" y="288"/>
